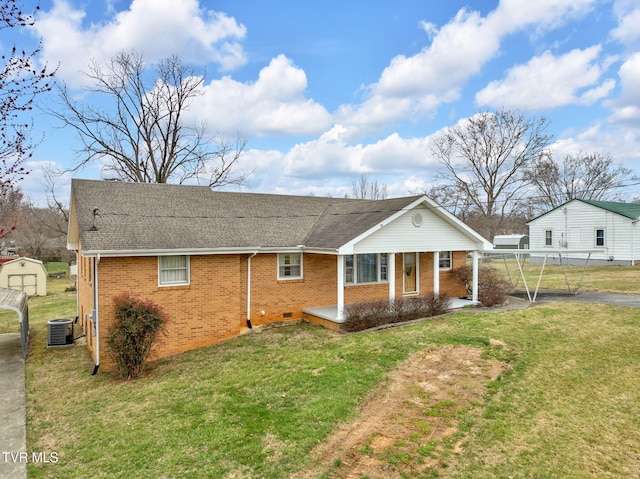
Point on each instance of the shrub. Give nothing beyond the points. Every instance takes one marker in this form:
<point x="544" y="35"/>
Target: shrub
<point x="137" y="325"/>
<point x="371" y="314"/>
<point x="493" y="288"/>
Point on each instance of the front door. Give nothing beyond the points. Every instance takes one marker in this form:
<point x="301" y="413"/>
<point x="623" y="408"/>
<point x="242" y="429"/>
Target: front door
<point x="410" y="274"/>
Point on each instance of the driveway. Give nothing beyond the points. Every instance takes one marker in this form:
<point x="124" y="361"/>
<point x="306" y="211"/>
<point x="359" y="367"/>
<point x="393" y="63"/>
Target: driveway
<point x="632" y="300"/>
<point x="13" y="448"/>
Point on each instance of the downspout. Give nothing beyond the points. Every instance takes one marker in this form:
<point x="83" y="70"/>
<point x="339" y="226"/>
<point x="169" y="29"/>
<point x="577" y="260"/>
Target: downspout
<point x="96" y="314"/>
<point x="249" y="290"/>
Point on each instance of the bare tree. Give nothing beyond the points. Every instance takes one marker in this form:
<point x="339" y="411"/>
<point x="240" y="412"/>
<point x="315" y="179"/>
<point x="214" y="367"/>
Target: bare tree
<point x="20" y="83"/>
<point x="10" y="210"/>
<point x="591" y="176"/>
<point x="364" y="189"/>
<point x="143" y="134"/>
<point x="56" y="222"/>
<point x="483" y="161"/>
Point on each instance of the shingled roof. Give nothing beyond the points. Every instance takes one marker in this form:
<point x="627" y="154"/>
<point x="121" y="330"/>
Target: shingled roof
<point x="159" y="217"/>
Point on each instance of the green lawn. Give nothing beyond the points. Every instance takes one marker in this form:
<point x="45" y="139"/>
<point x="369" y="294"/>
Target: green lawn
<point x="610" y="279"/>
<point x="255" y="406"/>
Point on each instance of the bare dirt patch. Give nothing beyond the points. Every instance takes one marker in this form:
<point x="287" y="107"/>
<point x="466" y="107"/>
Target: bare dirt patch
<point x="415" y="423"/>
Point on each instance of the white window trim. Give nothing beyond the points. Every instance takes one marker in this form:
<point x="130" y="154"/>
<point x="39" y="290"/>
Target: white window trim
<point x="175" y="283"/>
<point x="545" y="238"/>
<point x="446" y="268"/>
<point x="604" y="237"/>
<point x="287" y="278"/>
<point x="355" y="271"/>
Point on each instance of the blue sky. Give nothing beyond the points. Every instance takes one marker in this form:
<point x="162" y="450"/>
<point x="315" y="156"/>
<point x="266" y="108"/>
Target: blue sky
<point x="326" y="91"/>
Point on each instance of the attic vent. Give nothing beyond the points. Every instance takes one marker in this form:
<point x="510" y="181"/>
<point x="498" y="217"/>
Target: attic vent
<point x="416" y="219"/>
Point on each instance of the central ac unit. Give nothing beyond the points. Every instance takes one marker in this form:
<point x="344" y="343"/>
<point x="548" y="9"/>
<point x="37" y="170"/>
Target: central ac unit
<point x="60" y="332"/>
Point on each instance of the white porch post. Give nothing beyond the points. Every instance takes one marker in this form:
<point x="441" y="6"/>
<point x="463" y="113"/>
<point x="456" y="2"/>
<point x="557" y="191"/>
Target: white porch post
<point x="436" y="273"/>
<point x="474" y="287"/>
<point x="391" y="275"/>
<point x="340" y="288"/>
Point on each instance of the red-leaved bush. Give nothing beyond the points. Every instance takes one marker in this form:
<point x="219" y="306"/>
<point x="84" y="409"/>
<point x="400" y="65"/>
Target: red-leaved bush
<point x="372" y="314"/>
<point x="138" y="323"/>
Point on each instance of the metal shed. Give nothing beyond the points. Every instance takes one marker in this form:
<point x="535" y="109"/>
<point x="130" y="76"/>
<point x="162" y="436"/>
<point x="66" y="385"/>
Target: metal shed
<point x="17" y="301"/>
<point x="24" y="274"/>
<point x="514" y="241"/>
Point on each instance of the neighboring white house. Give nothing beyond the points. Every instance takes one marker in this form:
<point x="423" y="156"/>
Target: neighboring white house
<point x="24" y="274"/>
<point x="607" y="228"/>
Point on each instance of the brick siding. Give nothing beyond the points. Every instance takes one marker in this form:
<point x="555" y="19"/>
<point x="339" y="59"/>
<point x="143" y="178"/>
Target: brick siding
<point x="213" y="307"/>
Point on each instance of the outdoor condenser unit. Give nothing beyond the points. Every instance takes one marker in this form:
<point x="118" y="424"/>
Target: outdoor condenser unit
<point x="60" y="332"/>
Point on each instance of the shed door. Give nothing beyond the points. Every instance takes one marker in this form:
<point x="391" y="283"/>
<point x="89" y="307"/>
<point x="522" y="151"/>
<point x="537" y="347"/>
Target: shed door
<point x="24" y="282"/>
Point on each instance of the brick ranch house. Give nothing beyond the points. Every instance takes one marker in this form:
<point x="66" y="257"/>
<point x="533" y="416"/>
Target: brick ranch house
<point x="220" y="262"/>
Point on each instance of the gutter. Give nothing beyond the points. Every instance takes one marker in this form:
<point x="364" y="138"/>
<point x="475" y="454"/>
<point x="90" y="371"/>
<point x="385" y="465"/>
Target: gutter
<point x="96" y="314"/>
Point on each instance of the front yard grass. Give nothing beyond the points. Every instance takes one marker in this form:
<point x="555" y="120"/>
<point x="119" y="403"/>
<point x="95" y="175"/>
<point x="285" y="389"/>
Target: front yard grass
<point x="605" y="279"/>
<point x="255" y="406"/>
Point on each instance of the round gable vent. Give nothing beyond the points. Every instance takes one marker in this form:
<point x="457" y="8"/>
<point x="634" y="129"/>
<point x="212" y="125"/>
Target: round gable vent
<point x="416" y="219"/>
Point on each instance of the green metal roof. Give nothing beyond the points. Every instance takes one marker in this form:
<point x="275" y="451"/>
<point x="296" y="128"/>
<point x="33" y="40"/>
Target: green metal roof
<point x="630" y="210"/>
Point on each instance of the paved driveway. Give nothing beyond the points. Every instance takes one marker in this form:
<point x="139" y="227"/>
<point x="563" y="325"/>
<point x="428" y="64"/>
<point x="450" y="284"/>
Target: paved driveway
<point x="632" y="300"/>
<point x="13" y="446"/>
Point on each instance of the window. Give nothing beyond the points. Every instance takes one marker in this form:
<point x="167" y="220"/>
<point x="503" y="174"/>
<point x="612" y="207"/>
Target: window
<point x="289" y="265"/>
<point x="366" y="268"/>
<point x="445" y="260"/>
<point x="548" y="238"/>
<point x="599" y="237"/>
<point x="173" y="270"/>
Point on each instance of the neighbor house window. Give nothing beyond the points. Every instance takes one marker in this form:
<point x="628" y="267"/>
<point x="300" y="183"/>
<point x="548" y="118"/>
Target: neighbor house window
<point x="599" y="237"/>
<point x="548" y="238"/>
<point x="366" y="268"/>
<point x="445" y="260"/>
<point x="289" y="265"/>
<point x="173" y="270"/>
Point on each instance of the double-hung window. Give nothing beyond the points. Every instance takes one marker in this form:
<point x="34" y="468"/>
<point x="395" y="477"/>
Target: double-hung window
<point x="366" y="268"/>
<point x="445" y="260"/>
<point x="600" y="237"/>
<point x="173" y="270"/>
<point x="290" y="266"/>
<point x="548" y="238"/>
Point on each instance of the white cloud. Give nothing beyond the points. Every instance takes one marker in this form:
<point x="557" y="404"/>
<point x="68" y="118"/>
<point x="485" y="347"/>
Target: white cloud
<point x="549" y="81"/>
<point x="414" y="86"/>
<point x="626" y="108"/>
<point x="333" y="155"/>
<point x="542" y="15"/>
<point x="628" y="30"/>
<point x="156" y="28"/>
<point x="274" y="104"/>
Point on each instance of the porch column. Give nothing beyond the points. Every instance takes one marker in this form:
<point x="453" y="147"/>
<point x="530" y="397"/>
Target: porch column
<point x="340" y="288"/>
<point x="436" y="273"/>
<point x="391" y="275"/>
<point x="474" y="287"/>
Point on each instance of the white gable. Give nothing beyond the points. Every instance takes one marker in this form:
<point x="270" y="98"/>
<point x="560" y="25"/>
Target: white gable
<point x="419" y="229"/>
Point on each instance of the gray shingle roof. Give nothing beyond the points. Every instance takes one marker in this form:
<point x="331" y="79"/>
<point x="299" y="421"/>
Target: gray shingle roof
<point x="147" y="217"/>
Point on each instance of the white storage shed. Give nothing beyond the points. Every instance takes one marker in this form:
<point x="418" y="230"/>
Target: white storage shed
<point x="24" y="274"/>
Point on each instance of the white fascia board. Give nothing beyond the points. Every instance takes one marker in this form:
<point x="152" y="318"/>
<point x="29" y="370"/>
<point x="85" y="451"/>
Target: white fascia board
<point x="434" y="208"/>
<point x="72" y="229"/>
<point x="206" y="251"/>
<point x="168" y="252"/>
